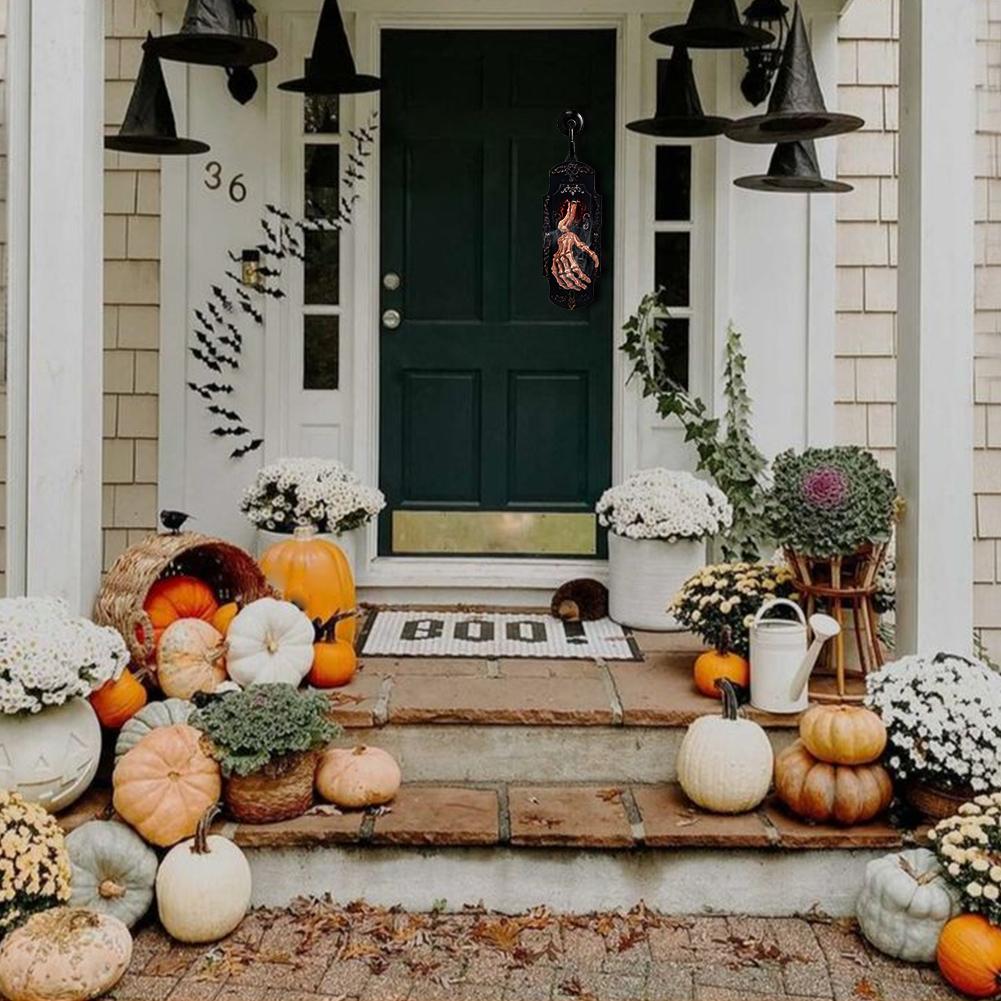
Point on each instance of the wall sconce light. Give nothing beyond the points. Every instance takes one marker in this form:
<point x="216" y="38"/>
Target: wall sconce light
<point x="250" y="262"/>
<point x="763" y="60"/>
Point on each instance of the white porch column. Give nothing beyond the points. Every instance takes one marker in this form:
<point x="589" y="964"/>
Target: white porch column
<point x="56" y="292"/>
<point x="935" y="326"/>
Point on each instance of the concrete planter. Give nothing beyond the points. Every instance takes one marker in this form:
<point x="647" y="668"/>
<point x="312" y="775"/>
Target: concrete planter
<point x="645" y="574"/>
<point x="50" y="757"/>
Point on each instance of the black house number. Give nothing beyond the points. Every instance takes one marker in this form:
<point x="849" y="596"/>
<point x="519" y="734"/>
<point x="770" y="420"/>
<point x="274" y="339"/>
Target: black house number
<point x="236" y="189"/>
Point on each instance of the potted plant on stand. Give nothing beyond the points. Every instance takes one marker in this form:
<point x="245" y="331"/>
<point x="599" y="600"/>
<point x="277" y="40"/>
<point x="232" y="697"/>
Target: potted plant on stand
<point x="832" y="512"/>
<point x="267" y="740"/>
<point x="943" y="721"/>
<point x="50" y="662"/>
<point x="658" y="521"/>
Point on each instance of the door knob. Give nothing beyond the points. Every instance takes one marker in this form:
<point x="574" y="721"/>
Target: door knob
<point x="391" y="318"/>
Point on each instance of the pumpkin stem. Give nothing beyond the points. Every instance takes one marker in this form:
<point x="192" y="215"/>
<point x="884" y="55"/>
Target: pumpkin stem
<point x="725" y="643"/>
<point x="360" y="749"/>
<point x="200" y="843"/>
<point x="110" y="890"/>
<point x="731" y="702"/>
<point x="325" y="631"/>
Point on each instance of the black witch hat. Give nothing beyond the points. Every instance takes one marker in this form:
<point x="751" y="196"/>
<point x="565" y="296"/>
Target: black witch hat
<point x="794" y="168"/>
<point x="679" y="110"/>
<point x="796" y="109"/>
<point x="216" y="33"/>
<point x="331" y="68"/>
<point x="713" y="24"/>
<point x="149" y="119"/>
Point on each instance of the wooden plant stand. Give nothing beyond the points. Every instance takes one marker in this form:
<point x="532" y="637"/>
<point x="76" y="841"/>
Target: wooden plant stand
<point x="839" y="582"/>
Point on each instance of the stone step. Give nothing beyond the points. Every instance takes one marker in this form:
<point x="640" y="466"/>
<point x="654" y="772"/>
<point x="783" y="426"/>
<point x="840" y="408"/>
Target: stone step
<point x="508" y="720"/>
<point x="573" y="847"/>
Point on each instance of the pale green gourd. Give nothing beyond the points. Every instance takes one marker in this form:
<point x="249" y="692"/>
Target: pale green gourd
<point x="114" y="870"/>
<point x="149" y="718"/>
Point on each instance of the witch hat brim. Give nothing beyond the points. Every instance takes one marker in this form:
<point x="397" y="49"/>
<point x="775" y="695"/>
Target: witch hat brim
<point x="796" y="110"/>
<point x="794" y="169"/>
<point x="213" y="34"/>
<point x="713" y="24"/>
<point x="149" y="125"/>
<point x="331" y="67"/>
<point x="679" y="108"/>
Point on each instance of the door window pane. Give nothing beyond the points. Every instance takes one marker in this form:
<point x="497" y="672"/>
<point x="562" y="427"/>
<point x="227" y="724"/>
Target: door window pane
<point x="321" y="350"/>
<point x="321" y="270"/>
<point x="674" y="183"/>
<point x="671" y="266"/>
<point x="322" y="177"/>
<point x="320" y="112"/>
<point x="674" y="349"/>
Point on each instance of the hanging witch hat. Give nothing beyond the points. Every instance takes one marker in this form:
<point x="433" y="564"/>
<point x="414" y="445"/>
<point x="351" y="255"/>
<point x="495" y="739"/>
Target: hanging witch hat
<point x="794" y="168"/>
<point x="679" y="110"/>
<point x="796" y="109"/>
<point x="331" y="68"/>
<point x="149" y="119"/>
<point x="713" y="24"/>
<point x="216" y="33"/>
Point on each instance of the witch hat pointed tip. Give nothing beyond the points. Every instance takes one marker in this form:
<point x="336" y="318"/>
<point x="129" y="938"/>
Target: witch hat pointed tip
<point x="713" y="24"/>
<point x="331" y="68"/>
<point x="216" y="33"/>
<point x="793" y="169"/>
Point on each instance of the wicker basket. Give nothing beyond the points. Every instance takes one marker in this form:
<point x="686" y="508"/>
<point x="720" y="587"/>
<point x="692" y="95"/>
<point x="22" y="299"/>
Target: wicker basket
<point x="933" y="803"/>
<point x="227" y="569"/>
<point x="280" y="790"/>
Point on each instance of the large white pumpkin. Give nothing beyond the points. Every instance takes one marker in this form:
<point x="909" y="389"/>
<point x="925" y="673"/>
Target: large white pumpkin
<point x="270" y="641"/>
<point x="64" y="954"/>
<point x="904" y="904"/>
<point x="725" y="762"/>
<point x="203" y="887"/>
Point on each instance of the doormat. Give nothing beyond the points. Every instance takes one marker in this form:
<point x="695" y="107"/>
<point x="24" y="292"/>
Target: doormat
<point x="422" y="633"/>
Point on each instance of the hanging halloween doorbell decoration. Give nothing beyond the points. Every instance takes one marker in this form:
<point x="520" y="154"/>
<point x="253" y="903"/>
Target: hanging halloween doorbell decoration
<point x="571" y="240"/>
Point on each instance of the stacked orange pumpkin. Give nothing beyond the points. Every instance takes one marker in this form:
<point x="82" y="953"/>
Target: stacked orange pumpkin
<point x="831" y="774"/>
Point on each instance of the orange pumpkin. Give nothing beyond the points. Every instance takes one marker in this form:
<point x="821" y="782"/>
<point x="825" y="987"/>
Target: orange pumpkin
<point x="720" y="663"/>
<point x="969" y="955"/>
<point x="824" y="793"/>
<point x="334" y="664"/>
<point x="165" y="783"/>
<point x="843" y="735"/>
<point x="181" y="597"/>
<point x="313" y="574"/>
<point x="118" y="700"/>
<point x="224" y="616"/>
<point x="191" y="658"/>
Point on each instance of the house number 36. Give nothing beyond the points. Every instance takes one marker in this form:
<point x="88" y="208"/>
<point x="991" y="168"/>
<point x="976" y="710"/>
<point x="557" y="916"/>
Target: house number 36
<point x="237" y="190"/>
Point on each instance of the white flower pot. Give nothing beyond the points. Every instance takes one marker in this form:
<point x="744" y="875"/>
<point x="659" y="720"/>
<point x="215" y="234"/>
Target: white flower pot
<point x="348" y="543"/>
<point x="645" y="574"/>
<point x="50" y="757"/>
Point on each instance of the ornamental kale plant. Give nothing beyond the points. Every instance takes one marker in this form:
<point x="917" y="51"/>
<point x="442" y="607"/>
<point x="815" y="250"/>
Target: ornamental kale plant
<point x="830" y="501"/>
<point x="249" y="729"/>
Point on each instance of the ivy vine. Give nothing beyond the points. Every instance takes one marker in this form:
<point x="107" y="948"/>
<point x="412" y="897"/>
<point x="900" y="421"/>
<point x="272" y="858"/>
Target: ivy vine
<point x="725" y="448"/>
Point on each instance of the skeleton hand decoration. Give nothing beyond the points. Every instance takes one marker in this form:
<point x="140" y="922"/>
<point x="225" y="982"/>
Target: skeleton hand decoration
<point x="565" y="268"/>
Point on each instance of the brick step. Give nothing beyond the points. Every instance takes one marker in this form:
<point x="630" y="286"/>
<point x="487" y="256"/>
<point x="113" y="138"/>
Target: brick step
<point x="465" y="720"/>
<point x="573" y="846"/>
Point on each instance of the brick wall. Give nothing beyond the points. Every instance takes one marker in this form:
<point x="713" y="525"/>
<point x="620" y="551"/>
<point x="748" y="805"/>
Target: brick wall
<point x="131" y="296"/>
<point x="866" y="255"/>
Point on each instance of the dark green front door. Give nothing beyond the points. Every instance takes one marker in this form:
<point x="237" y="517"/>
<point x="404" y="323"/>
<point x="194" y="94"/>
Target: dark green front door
<point x="495" y="412"/>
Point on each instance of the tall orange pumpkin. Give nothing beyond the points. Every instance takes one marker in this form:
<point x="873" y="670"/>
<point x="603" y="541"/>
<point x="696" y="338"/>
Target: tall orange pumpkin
<point x="118" y="700"/>
<point x="181" y="597"/>
<point x="315" y="575"/>
<point x="969" y="955"/>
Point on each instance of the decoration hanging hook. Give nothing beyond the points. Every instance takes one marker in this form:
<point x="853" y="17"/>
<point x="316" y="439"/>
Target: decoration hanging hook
<point x="571" y="124"/>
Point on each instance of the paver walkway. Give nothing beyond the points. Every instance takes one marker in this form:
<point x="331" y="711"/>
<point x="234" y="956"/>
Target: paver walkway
<point x="319" y="952"/>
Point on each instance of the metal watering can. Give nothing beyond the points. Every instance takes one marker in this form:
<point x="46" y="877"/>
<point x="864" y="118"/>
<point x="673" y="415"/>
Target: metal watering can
<point x="781" y="661"/>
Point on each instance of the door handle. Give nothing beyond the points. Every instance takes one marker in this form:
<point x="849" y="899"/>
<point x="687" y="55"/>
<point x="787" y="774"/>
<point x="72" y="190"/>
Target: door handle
<point x="391" y="318"/>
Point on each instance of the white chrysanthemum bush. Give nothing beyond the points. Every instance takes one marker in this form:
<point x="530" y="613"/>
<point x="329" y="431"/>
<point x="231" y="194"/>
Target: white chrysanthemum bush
<point x="664" y="504"/>
<point x="943" y="720"/>
<point x="48" y="656"/>
<point x="319" y="493"/>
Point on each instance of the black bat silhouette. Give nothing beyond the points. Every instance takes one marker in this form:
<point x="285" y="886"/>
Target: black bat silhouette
<point x="269" y="273"/>
<point x="275" y="293"/>
<point x="206" y="342"/>
<point x="222" y="432"/>
<point x="204" y="320"/>
<point x="227" y="303"/>
<point x="235" y="343"/>
<point x="214" y="310"/>
<point x="205" y="359"/>
<point x="230" y="415"/>
<point x="243" y="450"/>
<point x="247" y="308"/>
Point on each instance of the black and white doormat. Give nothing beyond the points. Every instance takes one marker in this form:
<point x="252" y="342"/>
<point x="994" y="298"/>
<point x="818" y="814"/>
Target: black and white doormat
<point x="419" y="633"/>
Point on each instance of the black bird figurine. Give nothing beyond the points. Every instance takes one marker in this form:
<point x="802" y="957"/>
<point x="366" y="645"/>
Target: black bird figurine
<point x="173" y="521"/>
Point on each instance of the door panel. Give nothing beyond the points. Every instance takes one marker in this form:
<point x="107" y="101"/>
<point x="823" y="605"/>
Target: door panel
<point x="493" y="400"/>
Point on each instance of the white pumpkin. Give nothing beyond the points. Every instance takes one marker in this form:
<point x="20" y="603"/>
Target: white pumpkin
<point x="113" y="870"/>
<point x="203" y="887"/>
<point x="270" y="641"/>
<point x="725" y="762"/>
<point x="357" y="777"/>
<point x="152" y="715"/>
<point x="64" y="954"/>
<point x="904" y="904"/>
